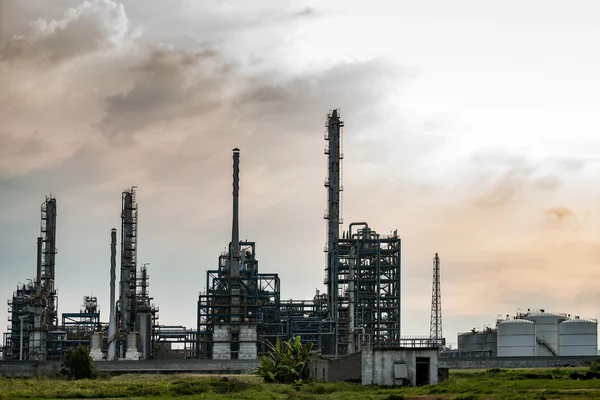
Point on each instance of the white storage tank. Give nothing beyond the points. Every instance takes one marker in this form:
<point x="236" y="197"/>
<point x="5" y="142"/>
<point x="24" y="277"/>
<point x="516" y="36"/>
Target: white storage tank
<point x="546" y="331"/>
<point x="96" y="340"/>
<point x="221" y="342"/>
<point x="144" y="321"/>
<point x="578" y="337"/>
<point x="478" y="340"/>
<point x="96" y="346"/>
<point x="516" y="338"/>
<point x="132" y="346"/>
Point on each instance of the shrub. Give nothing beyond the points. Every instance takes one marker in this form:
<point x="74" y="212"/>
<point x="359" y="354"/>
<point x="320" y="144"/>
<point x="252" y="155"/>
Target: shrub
<point x="78" y="364"/>
<point x="287" y="362"/>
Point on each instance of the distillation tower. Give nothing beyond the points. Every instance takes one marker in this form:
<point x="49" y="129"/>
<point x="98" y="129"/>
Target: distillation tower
<point x="34" y="306"/>
<point x="135" y="315"/>
<point x="361" y="305"/>
<point x="240" y="307"/>
<point x="363" y="269"/>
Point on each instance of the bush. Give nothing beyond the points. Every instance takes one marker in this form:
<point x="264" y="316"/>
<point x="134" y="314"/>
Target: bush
<point x="78" y="364"/>
<point x="287" y="362"/>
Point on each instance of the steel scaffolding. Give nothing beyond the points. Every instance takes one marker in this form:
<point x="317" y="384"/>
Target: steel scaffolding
<point x="34" y="306"/>
<point x="368" y="289"/>
<point x="258" y="301"/>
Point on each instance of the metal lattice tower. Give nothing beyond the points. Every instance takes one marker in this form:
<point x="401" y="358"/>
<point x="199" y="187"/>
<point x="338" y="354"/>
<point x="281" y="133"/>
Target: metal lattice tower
<point x="435" y="330"/>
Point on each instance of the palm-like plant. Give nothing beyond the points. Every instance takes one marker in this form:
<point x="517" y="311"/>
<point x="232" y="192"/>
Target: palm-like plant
<point x="285" y="363"/>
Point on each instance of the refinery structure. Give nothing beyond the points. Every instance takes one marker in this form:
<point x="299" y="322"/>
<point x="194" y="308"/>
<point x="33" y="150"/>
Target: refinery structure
<point x="242" y="307"/>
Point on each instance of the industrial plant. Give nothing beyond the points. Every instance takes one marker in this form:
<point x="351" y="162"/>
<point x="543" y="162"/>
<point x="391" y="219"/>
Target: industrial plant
<point x="355" y="324"/>
<point x="241" y="309"/>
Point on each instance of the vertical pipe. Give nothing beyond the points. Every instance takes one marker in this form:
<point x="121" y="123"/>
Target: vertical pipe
<point x="21" y="340"/>
<point x="39" y="266"/>
<point x="351" y="301"/>
<point x="112" y="347"/>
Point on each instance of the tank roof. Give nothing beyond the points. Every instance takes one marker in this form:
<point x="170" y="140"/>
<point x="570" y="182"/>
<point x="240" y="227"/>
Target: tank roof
<point x="577" y="320"/>
<point x="543" y="314"/>
<point x="516" y="321"/>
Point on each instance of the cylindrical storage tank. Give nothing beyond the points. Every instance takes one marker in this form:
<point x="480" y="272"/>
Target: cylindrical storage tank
<point x="578" y="337"/>
<point x="221" y="342"/>
<point x="132" y="341"/>
<point x="516" y="338"/>
<point x="144" y="322"/>
<point x="546" y="331"/>
<point x="485" y="340"/>
<point x="96" y="341"/>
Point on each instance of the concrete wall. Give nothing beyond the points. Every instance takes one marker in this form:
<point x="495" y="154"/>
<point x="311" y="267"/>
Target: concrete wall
<point x="29" y="368"/>
<point x="515" y="362"/>
<point x="34" y="368"/>
<point x="378" y="365"/>
<point x="343" y="369"/>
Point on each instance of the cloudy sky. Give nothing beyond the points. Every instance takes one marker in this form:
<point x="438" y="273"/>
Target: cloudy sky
<point x="471" y="127"/>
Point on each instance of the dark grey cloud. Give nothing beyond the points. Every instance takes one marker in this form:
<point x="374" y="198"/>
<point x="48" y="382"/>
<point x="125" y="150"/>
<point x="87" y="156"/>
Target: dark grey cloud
<point x="167" y="85"/>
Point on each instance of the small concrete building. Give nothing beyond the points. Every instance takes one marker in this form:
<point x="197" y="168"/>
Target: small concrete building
<point x="385" y="366"/>
<point x="399" y="366"/>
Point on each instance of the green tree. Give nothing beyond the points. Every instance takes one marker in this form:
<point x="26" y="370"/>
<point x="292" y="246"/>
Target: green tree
<point x="286" y="362"/>
<point x="78" y="364"/>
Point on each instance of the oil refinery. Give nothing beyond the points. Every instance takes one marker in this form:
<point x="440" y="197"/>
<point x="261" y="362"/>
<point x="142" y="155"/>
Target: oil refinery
<point x="240" y="310"/>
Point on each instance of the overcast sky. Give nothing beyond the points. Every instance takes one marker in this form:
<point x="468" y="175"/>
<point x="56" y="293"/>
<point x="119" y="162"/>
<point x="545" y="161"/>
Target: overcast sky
<point x="471" y="127"/>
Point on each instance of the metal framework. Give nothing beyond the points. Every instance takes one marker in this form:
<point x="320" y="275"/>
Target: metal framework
<point x="435" y="327"/>
<point x="175" y="342"/>
<point x="361" y="306"/>
<point x="363" y="269"/>
<point x="81" y="325"/>
<point x="258" y="301"/>
<point x="34" y="306"/>
<point x="368" y="289"/>
<point x="237" y="294"/>
<point x="34" y="332"/>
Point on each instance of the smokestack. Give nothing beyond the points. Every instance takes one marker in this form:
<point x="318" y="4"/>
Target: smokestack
<point x="235" y="232"/>
<point x="112" y="347"/>
<point x="39" y="266"/>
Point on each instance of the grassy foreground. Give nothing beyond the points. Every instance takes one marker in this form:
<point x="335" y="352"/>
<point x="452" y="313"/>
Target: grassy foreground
<point x="483" y="384"/>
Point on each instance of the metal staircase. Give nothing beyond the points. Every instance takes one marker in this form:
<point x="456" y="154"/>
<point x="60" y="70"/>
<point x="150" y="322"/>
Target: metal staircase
<point x="542" y="342"/>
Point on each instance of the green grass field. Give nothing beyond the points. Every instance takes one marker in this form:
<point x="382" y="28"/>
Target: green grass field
<point x="489" y="384"/>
